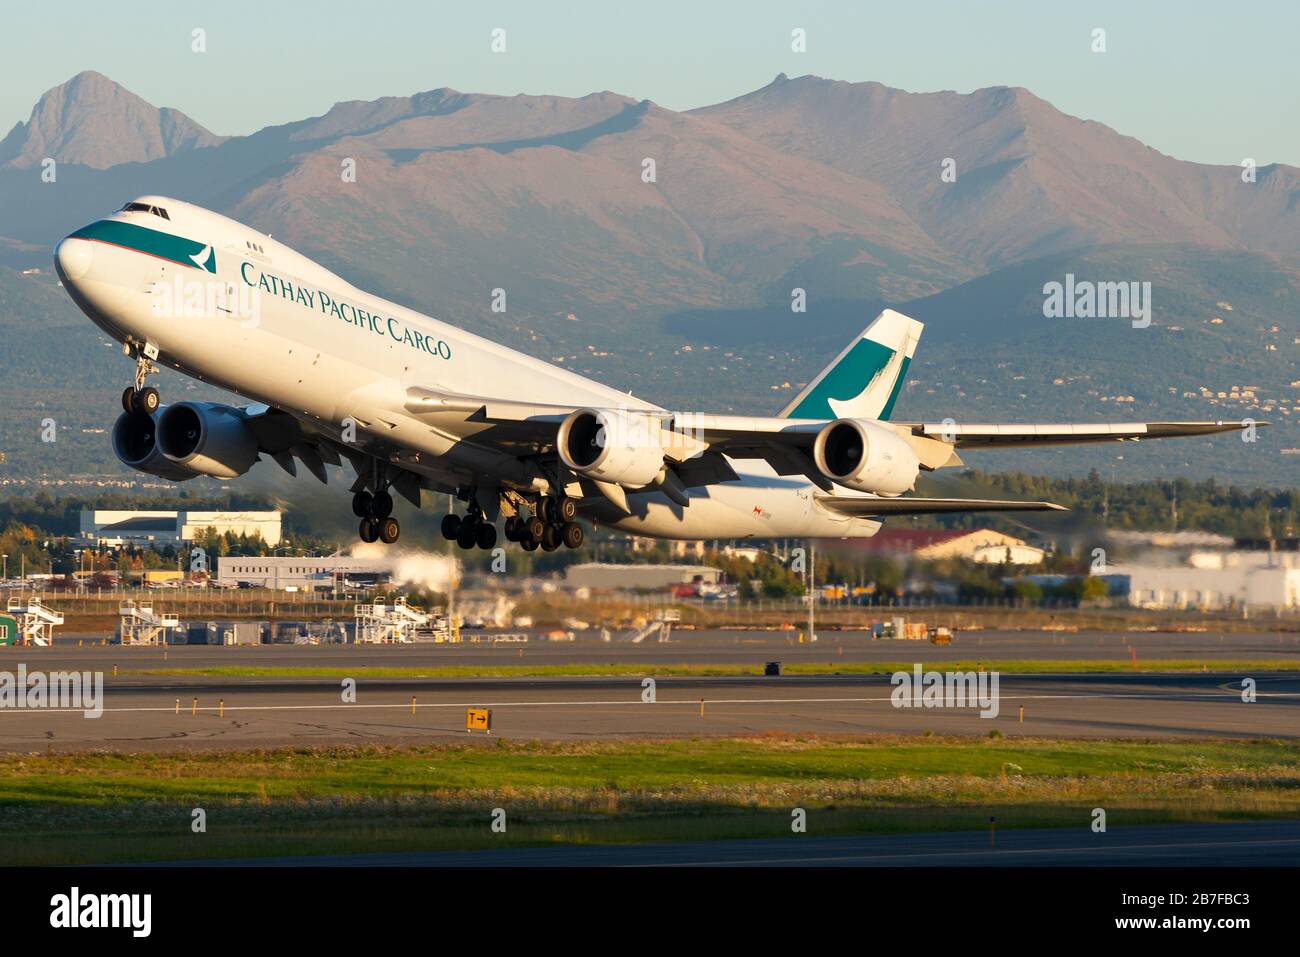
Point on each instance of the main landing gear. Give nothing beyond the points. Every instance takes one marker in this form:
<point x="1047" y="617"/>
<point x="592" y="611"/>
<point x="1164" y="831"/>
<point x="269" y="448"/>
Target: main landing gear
<point x="376" y="514"/>
<point x="551" y="527"/>
<point x="138" y="397"/>
<point x="471" y="531"/>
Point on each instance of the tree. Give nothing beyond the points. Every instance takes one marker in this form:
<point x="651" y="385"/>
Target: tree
<point x="1029" y="592"/>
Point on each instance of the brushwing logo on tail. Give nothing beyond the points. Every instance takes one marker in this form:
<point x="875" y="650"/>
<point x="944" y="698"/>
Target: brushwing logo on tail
<point x="865" y="379"/>
<point x="867" y="362"/>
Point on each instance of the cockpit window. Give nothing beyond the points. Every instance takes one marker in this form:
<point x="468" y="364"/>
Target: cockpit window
<point x="144" y="208"/>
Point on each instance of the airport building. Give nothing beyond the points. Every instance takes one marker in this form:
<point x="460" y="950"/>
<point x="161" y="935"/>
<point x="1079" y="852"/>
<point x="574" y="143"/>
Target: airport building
<point x="928" y="545"/>
<point x="638" y="544"/>
<point x="1212" y="581"/>
<point x="598" y="575"/>
<point x="1187" y="539"/>
<point x="283" y="571"/>
<point x="157" y="529"/>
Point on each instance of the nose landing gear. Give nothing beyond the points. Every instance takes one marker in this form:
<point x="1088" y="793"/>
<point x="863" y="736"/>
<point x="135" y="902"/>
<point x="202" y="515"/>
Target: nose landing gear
<point x="138" y="397"/>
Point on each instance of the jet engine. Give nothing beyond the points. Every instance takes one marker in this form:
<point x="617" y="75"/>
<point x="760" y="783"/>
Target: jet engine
<point x="866" y="457"/>
<point x="624" y="448"/>
<point x="207" y="438"/>
<point x="135" y="443"/>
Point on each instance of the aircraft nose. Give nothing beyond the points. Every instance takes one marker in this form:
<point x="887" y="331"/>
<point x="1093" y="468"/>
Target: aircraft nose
<point x="73" y="258"/>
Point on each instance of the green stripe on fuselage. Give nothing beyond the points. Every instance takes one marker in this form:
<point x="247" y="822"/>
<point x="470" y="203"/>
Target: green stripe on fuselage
<point x="849" y="379"/>
<point x="175" y="249"/>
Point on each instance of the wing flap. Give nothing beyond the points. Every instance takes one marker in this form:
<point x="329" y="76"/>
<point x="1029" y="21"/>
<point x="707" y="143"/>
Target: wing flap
<point x="707" y="469"/>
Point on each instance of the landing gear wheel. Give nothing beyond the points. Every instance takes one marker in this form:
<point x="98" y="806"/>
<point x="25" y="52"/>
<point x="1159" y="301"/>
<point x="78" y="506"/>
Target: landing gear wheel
<point x="551" y="539"/>
<point x="369" y="530"/>
<point x="389" y="530"/>
<point x="467" y="536"/>
<point x="451" y="526"/>
<point x="572" y="535"/>
<point x="545" y="511"/>
<point x="147" y="400"/>
<point x="361" y="504"/>
<point x="528" y="543"/>
<point x="566" y="509"/>
<point x="486" y="536"/>
<point x="381" y="505"/>
<point x="511" y="529"/>
<point x="128" y="399"/>
<point x="536" y="527"/>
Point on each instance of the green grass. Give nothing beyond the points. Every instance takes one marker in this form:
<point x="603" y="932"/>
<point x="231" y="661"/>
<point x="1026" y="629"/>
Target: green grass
<point x="630" y="670"/>
<point x="102" y="807"/>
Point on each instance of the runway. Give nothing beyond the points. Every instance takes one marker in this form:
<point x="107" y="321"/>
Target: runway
<point x="1252" y="844"/>
<point x="713" y="647"/>
<point x="179" y="713"/>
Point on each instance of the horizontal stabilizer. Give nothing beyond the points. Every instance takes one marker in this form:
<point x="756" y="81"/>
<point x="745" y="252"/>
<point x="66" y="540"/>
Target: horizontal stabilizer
<point x="866" y="507"/>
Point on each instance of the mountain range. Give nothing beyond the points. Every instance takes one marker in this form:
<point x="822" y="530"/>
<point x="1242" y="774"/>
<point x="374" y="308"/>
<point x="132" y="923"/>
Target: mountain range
<point x="661" y="250"/>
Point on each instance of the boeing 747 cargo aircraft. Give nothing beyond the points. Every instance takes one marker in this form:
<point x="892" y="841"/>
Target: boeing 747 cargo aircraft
<point x="414" y="404"/>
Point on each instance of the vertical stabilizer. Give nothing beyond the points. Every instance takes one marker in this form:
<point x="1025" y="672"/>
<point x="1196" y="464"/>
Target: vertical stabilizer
<point x="864" y="380"/>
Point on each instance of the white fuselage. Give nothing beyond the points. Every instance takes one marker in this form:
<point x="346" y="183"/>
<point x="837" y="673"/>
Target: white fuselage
<point x="268" y="323"/>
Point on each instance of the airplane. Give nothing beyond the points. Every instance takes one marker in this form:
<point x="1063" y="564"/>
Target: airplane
<point x="414" y="405"/>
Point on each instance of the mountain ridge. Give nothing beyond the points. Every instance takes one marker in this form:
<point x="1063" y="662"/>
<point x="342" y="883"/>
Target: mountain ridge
<point x="92" y="121"/>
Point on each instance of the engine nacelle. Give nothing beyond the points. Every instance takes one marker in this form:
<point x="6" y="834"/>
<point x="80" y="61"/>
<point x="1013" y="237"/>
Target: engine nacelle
<point x="624" y="448"/>
<point x="135" y="443"/>
<point x="866" y="457"/>
<point x="207" y="438"/>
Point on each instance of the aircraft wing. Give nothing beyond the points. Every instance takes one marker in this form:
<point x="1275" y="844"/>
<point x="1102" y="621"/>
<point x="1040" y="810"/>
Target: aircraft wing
<point x="741" y="431"/>
<point x="734" y="434"/>
<point x="784" y="443"/>
<point x="996" y="436"/>
<point x="865" y="507"/>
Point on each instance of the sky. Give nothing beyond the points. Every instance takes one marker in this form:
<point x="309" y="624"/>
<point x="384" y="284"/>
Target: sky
<point x="1202" y="81"/>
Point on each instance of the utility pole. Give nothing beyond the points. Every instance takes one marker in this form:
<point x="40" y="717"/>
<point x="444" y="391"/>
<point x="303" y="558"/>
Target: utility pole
<point x="812" y="588"/>
<point x="453" y="584"/>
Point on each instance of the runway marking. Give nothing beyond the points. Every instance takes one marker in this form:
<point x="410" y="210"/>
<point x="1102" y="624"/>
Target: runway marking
<point x="691" y="702"/>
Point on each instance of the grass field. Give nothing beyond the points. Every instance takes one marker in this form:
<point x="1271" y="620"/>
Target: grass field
<point x="1006" y="666"/>
<point x="101" y="807"/>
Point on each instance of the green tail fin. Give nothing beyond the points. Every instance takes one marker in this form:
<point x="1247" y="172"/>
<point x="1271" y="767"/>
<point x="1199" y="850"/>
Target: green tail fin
<point x="864" y="380"/>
